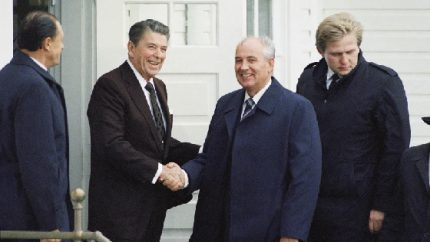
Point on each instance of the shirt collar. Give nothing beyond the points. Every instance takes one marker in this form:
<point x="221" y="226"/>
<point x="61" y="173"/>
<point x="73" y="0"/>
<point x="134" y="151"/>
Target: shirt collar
<point x="39" y="64"/>
<point x="260" y="93"/>
<point x="139" y="77"/>
<point x="330" y="73"/>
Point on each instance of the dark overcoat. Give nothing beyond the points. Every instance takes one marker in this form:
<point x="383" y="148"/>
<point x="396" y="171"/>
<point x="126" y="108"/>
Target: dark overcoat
<point x="258" y="177"/>
<point x="364" y="126"/>
<point x="416" y="190"/>
<point x="34" y="177"/>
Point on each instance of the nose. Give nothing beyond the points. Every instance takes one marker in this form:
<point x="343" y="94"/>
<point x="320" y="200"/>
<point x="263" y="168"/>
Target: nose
<point x="158" y="53"/>
<point x="244" y="65"/>
<point x="343" y="59"/>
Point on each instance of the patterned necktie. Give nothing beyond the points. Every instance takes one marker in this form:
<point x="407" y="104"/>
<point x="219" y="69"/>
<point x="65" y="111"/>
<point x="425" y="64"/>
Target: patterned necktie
<point x="333" y="82"/>
<point x="158" y="118"/>
<point x="249" y="104"/>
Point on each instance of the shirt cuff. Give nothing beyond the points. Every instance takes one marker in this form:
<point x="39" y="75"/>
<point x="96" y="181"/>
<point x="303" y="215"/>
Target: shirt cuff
<point x="158" y="173"/>
<point x="186" y="183"/>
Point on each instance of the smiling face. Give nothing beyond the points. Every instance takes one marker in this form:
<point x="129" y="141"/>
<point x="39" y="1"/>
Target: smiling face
<point x="148" y="55"/>
<point x="342" y="55"/>
<point x="253" y="69"/>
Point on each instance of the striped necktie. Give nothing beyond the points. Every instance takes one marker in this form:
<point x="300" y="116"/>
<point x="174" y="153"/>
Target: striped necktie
<point x="158" y="118"/>
<point x="249" y="105"/>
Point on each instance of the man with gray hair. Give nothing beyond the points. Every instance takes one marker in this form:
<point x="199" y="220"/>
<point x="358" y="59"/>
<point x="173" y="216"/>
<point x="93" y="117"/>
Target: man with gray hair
<point x="131" y="143"/>
<point x="364" y="126"/>
<point x="260" y="167"/>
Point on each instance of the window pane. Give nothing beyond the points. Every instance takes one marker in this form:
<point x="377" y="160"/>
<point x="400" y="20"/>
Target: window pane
<point x="194" y="24"/>
<point x="265" y="18"/>
<point x="264" y="8"/>
<point x="250" y="17"/>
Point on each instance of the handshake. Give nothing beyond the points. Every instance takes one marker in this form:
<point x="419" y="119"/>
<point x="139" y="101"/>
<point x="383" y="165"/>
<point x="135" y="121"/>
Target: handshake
<point x="173" y="177"/>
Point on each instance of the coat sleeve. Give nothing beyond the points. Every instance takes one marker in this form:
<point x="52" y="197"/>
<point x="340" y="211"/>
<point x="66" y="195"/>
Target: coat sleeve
<point x="39" y="161"/>
<point x="181" y="152"/>
<point x="304" y="171"/>
<point x="392" y="119"/>
<point x="195" y="167"/>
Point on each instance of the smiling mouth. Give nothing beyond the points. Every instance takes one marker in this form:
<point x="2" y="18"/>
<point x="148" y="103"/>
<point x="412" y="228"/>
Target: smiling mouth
<point x="246" y="75"/>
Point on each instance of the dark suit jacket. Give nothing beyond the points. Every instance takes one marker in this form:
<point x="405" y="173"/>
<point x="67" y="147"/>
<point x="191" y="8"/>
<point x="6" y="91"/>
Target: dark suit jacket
<point x="125" y="151"/>
<point x="272" y="161"/>
<point x="34" y="180"/>
<point x="415" y="184"/>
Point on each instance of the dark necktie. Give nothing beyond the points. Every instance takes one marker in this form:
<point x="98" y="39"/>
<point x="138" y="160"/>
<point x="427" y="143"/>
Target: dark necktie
<point x="249" y="104"/>
<point x="333" y="82"/>
<point x="158" y="118"/>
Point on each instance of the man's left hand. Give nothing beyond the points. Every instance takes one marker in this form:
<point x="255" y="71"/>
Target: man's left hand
<point x="285" y="239"/>
<point x="376" y="218"/>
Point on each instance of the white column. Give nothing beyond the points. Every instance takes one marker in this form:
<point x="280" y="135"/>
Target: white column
<point x="6" y="25"/>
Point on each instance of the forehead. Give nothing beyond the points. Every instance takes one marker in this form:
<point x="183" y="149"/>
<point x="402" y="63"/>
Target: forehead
<point x="346" y="43"/>
<point x="250" y="47"/>
<point x="153" y="37"/>
<point x="59" y="30"/>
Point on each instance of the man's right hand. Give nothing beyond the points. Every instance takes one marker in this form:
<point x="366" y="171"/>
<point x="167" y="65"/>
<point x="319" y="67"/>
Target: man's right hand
<point x="172" y="177"/>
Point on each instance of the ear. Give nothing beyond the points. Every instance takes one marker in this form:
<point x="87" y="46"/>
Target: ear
<point x="271" y="64"/>
<point x="46" y="43"/>
<point x="130" y="47"/>
<point x="321" y="52"/>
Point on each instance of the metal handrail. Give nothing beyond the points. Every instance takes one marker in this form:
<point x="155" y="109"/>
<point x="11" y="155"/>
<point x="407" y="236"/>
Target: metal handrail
<point x="78" y="196"/>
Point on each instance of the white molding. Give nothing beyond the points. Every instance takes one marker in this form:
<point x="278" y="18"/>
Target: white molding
<point x="6" y="24"/>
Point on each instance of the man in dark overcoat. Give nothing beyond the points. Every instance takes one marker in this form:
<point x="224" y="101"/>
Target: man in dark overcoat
<point x="416" y="192"/>
<point x="363" y="119"/>
<point x="34" y="167"/>
<point x="260" y="168"/>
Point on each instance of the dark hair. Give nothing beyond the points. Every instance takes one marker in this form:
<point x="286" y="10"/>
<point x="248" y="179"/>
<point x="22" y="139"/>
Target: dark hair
<point x="140" y="28"/>
<point x="36" y="27"/>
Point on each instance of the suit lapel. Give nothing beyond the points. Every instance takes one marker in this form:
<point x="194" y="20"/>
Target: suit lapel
<point x="232" y="111"/>
<point x="139" y="99"/>
<point x="268" y="101"/>
<point x="162" y="97"/>
<point x="422" y="164"/>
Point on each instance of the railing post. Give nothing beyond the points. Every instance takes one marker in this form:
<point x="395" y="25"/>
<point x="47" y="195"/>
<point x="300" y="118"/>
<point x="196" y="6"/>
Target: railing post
<point x="78" y="196"/>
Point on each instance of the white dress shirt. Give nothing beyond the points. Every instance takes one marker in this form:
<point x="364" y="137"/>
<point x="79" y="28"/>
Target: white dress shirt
<point x="143" y="83"/>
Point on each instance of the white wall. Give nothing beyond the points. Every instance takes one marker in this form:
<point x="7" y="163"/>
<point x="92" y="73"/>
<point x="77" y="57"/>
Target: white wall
<point x="6" y="25"/>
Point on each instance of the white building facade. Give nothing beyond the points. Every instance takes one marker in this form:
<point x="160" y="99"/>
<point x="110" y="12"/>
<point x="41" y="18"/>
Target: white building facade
<point x="200" y="59"/>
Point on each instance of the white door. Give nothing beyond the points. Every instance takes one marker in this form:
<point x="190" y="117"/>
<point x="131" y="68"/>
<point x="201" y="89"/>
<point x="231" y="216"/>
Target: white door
<point x="197" y="71"/>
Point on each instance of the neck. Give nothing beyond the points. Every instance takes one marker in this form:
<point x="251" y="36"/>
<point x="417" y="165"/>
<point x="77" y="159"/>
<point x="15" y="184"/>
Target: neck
<point x="38" y="55"/>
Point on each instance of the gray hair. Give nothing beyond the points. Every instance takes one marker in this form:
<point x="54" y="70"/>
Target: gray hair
<point x="269" y="46"/>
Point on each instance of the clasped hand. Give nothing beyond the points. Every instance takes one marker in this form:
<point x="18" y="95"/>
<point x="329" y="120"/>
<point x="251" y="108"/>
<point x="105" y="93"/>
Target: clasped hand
<point x="172" y="176"/>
